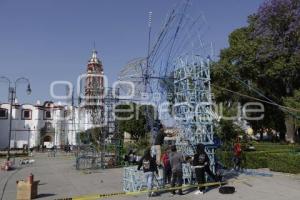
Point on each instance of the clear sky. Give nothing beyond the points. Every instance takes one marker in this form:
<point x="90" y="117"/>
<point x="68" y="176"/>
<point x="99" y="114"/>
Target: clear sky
<point x="49" y="40"/>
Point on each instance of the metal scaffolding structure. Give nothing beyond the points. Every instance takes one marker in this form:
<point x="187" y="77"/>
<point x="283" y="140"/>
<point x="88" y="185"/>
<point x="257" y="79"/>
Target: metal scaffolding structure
<point x="193" y="105"/>
<point x="134" y="180"/>
<point x="110" y="101"/>
<point x="193" y="112"/>
<point x="174" y="68"/>
<point x="101" y="127"/>
<point x="112" y="134"/>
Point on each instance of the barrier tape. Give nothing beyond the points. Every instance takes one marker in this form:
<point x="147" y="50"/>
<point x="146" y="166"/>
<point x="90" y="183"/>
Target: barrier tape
<point x="100" y="196"/>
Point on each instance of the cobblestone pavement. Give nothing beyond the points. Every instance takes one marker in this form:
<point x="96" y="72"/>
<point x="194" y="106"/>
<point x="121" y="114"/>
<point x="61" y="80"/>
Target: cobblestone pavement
<point x="59" y="179"/>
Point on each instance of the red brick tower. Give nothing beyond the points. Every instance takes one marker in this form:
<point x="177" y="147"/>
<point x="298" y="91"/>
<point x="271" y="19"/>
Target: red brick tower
<point x="94" y="86"/>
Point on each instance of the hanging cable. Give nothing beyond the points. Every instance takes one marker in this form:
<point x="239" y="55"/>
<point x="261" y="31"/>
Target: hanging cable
<point x="254" y="98"/>
<point x="257" y="91"/>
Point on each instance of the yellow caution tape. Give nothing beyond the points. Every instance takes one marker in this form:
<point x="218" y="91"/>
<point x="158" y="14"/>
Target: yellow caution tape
<point x="100" y="196"/>
<point x="169" y="189"/>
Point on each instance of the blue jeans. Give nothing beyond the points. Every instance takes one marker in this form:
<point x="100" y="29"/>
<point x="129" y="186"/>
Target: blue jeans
<point x="149" y="178"/>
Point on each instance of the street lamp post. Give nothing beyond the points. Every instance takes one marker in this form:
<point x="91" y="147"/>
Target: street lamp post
<point x="28" y="141"/>
<point x="12" y="90"/>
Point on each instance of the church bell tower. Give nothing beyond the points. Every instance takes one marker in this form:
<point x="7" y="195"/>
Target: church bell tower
<point x="94" y="87"/>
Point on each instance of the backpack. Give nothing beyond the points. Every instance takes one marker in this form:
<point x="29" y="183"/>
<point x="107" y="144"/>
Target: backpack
<point x="227" y="190"/>
<point x="131" y="157"/>
<point x="146" y="164"/>
<point x="166" y="161"/>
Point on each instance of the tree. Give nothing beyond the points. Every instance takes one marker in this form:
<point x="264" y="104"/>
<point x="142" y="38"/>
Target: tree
<point x="132" y="119"/>
<point x="227" y="131"/>
<point x="266" y="55"/>
<point x="294" y="102"/>
<point x="92" y="137"/>
<point x="294" y="120"/>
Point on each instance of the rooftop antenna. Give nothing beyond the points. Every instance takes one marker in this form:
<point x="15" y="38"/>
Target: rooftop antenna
<point x="149" y="42"/>
<point x="94" y="51"/>
<point x="94" y="45"/>
<point x="212" y="50"/>
<point x="146" y="77"/>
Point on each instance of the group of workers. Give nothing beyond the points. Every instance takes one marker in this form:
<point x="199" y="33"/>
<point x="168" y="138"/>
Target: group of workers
<point x="171" y="164"/>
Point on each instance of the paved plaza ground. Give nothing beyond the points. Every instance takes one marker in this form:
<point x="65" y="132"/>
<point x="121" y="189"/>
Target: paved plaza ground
<point x="59" y="179"/>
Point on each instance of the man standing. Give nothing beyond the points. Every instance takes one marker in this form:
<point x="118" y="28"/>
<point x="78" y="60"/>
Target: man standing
<point x="167" y="166"/>
<point x="149" y="167"/>
<point x="176" y="160"/>
<point x="237" y="150"/>
<point x="201" y="165"/>
<point x="158" y="143"/>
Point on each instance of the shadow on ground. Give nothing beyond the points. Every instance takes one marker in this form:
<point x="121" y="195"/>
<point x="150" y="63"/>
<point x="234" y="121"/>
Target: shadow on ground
<point x="45" y="195"/>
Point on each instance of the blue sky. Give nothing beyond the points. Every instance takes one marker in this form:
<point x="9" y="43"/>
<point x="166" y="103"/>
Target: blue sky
<point x="49" y="40"/>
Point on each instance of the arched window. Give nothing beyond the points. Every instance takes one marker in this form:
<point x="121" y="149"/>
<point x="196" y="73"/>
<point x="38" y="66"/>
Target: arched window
<point x="47" y="114"/>
<point x="3" y="113"/>
<point x="26" y="114"/>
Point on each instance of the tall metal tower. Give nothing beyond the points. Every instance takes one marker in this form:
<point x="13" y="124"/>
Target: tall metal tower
<point x="193" y="104"/>
<point x="111" y="130"/>
<point x="174" y="70"/>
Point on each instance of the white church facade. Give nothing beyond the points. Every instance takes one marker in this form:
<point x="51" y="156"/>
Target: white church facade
<point x="35" y="125"/>
<point x="50" y="123"/>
